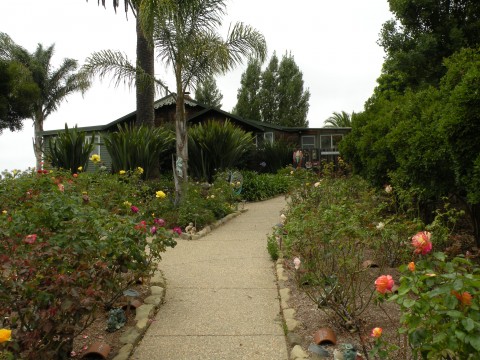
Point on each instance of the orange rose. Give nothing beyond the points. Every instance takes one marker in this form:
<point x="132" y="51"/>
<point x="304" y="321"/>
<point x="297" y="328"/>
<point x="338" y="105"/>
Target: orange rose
<point x="384" y="284"/>
<point x="376" y="332"/>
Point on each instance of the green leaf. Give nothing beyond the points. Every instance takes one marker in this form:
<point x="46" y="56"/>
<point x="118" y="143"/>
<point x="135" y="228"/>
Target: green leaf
<point x="474" y="341"/>
<point x="455" y="314"/>
<point x="440" y="337"/>
<point x="468" y="324"/>
<point x="408" y="303"/>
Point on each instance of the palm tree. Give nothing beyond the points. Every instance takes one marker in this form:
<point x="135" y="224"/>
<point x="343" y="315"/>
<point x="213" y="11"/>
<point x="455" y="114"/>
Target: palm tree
<point x="342" y="119"/>
<point x="185" y="36"/>
<point x="145" y="92"/>
<point x="54" y="84"/>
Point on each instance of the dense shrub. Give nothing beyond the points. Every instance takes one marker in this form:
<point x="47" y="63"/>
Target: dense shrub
<point x="69" y="245"/>
<point x="264" y="186"/>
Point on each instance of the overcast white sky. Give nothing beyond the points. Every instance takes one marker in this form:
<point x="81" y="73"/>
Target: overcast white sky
<point x="333" y="43"/>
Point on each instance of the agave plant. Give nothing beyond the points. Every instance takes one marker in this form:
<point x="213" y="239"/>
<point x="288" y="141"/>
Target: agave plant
<point x="69" y="150"/>
<point x="138" y="146"/>
<point x="214" y="147"/>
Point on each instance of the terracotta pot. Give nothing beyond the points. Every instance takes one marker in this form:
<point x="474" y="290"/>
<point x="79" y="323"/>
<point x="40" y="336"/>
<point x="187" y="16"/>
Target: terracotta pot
<point x="97" y="350"/>
<point x="325" y="336"/>
<point x="132" y="305"/>
<point x="369" y="264"/>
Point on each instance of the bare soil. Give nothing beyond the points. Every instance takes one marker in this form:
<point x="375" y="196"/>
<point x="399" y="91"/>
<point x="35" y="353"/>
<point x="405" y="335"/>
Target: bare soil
<point x="97" y="332"/>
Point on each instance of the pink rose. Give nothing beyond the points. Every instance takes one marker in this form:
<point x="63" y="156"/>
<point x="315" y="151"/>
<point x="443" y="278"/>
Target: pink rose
<point x="384" y="284"/>
<point x="30" y="239"/>
<point x="421" y="242"/>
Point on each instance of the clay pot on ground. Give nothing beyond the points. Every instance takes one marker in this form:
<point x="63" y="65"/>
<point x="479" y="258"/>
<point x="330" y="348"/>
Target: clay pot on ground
<point x="132" y="305"/>
<point x="325" y="336"/>
<point x="369" y="264"/>
<point x="98" y="350"/>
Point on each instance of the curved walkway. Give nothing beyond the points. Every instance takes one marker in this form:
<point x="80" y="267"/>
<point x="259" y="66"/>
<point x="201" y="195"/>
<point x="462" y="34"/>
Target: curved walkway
<point x="222" y="299"/>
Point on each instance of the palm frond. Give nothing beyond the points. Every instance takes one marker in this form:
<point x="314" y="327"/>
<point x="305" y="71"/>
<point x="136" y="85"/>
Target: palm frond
<point x="108" y="62"/>
<point x="243" y="41"/>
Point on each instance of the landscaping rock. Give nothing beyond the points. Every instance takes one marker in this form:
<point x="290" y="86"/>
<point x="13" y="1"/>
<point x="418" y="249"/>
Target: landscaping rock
<point x="298" y="353"/>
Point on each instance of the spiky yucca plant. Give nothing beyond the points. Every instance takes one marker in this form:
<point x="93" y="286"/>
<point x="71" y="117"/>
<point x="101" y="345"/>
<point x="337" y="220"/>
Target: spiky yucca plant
<point x="215" y="146"/>
<point x="68" y="150"/>
<point x="138" y="146"/>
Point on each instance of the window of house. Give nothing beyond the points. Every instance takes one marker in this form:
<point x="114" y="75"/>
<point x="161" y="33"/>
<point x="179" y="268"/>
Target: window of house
<point x="330" y="142"/>
<point x="96" y="146"/>
<point x="268" y="137"/>
<point x="336" y="140"/>
<point x="325" y="142"/>
<point x="308" y="141"/>
<point x="261" y="138"/>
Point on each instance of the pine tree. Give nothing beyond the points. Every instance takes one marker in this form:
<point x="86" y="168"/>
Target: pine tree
<point x="208" y="94"/>
<point x="274" y="96"/>
<point x="269" y="92"/>
<point x="248" y="102"/>
<point x="292" y="99"/>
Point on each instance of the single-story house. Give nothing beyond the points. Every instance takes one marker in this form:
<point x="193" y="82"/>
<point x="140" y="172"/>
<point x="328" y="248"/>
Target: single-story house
<point x="316" y="143"/>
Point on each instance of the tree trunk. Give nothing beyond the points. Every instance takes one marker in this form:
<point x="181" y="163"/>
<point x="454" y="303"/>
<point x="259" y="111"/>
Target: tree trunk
<point x="38" y="139"/>
<point x="181" y="137"/>
<point x="145" y="93"/>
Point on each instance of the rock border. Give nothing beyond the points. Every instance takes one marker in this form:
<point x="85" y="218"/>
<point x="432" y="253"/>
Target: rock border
<point x="207" y="229"/>
<point x="147" y="311"/>
<point x="290" y="323"/>
<point x="143" y="317"/>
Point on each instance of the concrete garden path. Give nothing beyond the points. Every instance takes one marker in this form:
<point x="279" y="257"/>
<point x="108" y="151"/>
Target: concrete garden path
<point x="222" y="299"/>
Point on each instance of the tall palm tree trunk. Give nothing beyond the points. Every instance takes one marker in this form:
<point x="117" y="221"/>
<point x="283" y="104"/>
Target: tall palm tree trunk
<point x="145" y="94"/>
<point x="181" y="141"/>
<point x="38" y="139"/>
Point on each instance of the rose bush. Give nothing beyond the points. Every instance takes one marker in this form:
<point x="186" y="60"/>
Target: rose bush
<point x="67" y="251"/>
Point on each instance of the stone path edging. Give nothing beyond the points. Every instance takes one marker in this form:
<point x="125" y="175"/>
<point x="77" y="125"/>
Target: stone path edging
<point x="143" y="316"/>
<point x="209" y="228"/>
<point x="291" y="323"/>
<point x="146" y="312"/>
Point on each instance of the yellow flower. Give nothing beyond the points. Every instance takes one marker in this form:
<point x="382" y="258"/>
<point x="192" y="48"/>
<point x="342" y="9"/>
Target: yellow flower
<point x="5" y="335"/>
<point x="80" y="168"/>
<point x="160" y="194"/>
<point x="95" y="158"/>
<point x="140" y="170"/>
<point x="127" y="203"/>
<point x="84" y="193"/>
<point x="122" y="172"/>
<point x="4" y="212"/>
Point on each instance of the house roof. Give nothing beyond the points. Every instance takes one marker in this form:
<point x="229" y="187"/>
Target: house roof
<point x="171" y="99"/>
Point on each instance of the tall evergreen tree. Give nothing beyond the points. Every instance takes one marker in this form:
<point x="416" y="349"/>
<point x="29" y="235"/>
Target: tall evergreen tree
<point x="208" y="94"/>
<point x="248" y="102"/>
<point x="269" y="92"/>
<point x="276" y="95"/>
<point x="292" y="99"/>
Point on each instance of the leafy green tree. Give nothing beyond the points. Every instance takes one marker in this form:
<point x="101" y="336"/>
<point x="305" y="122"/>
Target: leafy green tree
<point x="292" y="98"/>
<point x="342" y="119"/>
<point x="54" y="84"/>
<point x="461" y="126"/>
<point x="207" y="93"/>
<point x="18" y="92"/>
<point x="248" y="102"/>
<point x="268" y="95"/>
<point x="422" y="35"/>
